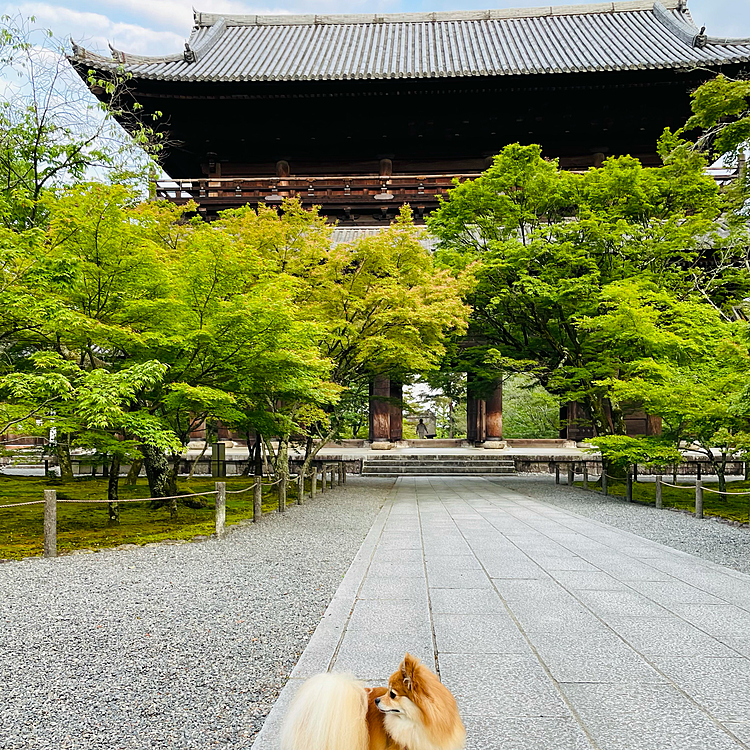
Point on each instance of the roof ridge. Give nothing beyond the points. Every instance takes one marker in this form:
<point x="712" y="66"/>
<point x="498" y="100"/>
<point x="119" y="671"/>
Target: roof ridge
<point x="618" y="6"/>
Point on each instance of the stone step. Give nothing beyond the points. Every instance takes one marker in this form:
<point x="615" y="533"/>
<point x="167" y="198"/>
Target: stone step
<point x="435" y="470"/>
<point x="480" y="466"/>
<point x="438" y="458"/>
<point x="436" y="464"/>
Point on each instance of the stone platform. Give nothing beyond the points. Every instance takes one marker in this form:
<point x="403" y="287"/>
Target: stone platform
<point x="554" y="632"/>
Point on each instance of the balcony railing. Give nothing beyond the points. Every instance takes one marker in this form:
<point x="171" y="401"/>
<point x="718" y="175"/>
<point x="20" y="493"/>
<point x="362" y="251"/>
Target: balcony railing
<point x="341" y="197"/>
<point x="361" y="191"/>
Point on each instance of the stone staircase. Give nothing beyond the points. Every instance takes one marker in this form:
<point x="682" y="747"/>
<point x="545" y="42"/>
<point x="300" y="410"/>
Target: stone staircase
<point x="436" y="465"/>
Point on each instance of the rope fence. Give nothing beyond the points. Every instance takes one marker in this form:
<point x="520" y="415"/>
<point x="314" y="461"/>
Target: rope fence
<point x="632" y="475"/>
<point x="337" y="472"/>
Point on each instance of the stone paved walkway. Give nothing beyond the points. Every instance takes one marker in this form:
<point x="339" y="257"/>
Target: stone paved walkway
<point x="554" y="632"/>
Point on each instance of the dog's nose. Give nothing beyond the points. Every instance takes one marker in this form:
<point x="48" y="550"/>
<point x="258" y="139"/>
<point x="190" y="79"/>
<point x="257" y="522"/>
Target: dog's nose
<point x="377" y="701"/>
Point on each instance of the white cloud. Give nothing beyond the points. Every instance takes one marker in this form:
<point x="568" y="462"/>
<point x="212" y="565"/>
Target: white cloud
<point x="95" y="31"/>
<point x="722" y="17"/>
<point x="178" y="14"/>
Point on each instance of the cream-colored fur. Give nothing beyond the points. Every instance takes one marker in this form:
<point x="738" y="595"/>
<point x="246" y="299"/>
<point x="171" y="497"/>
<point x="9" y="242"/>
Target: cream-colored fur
<point x="408" y="729"/>
<point x="328" y="713"/>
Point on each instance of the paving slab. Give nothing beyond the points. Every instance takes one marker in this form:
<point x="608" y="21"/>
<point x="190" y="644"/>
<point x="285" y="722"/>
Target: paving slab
<point x="554" y="631"/>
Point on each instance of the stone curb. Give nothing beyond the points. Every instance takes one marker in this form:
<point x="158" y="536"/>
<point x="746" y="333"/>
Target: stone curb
<point x="322" y="647"/>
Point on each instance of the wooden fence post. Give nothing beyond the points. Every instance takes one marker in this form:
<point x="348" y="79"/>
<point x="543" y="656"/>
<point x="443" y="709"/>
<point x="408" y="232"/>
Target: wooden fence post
<point x="50" y="523"/>
<point x="699" y="499"/>
<point x="629" y="486"/>
<point x="343" y="472"/>
<point x="257" y="499"/>
<point x="282" y="494"/>
<point x="221" y="508"/>
<point x="658" y="490"/>
<point x="557" y="473"/>
<point x="314" y="482"/>
<point x="604" y="480"/>
<point x="585" y="476"/>
<point x="338" y="473"/>
<point x="323" y="468"/>
<point x="571" y="474"/>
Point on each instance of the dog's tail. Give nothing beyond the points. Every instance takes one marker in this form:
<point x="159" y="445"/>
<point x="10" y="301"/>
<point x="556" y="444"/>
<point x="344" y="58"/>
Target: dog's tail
<point x="328" y="713"/>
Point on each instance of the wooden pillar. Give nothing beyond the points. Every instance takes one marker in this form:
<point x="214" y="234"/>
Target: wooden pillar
<point x="220" y="508"/>
<point x="494" y="418"/>
<point x="653" y="425"/>
<point x="50" y="523"/>
<point x="396" y="412"/>
<point x="472" y="410"/>
<point x="257" y="498"/>
<point x="380" y="409"/>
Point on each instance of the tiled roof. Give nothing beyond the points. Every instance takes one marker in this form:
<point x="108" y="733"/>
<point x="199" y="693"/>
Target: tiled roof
<point x="347" y="235"/>
<point x="564" y="39"/>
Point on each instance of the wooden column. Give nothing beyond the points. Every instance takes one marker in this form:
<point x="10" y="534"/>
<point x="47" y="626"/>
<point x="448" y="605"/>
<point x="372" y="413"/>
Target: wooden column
<point x="396" y="412"/>
<point x="653" y="425"/>
<point x="472" y="422"/>
<point x="494" y="419"/>
<point x="476" y="411"/>
<point x="380" y="409"/>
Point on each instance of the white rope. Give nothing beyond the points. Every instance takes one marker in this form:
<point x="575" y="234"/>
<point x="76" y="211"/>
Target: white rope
<point x="719" y="492"/>
<point x="16" y="505"/>
<point x="239" y="492"/>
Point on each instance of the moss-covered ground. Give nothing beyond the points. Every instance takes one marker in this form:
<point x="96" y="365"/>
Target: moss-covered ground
<point x="82" y="526"/>
<point x="732" y="507"/>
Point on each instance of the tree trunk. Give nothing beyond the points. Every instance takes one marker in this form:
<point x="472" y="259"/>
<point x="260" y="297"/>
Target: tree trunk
<point x="720" y="469"/>
<point x="264" y="457"/>
<point x="249" y="464"/>
<point x="62" y="451"/>
<point x="450" y="418"/>
<point x="258" y="458"/>
<point x="312" y="450"/>
<point x="161" y="480"/>
<point x="113" y="490"/>
<point x="618" y="421"/>
<point x="282" y="464"/>
<point x="200" y="456"/>
<point x="135" y="470"/>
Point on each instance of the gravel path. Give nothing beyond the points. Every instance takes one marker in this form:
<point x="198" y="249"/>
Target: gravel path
<point x="172" y="646"/>
<point x="711" y="540"/>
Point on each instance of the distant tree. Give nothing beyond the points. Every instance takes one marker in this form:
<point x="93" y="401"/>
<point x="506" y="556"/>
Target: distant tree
<point x="445" y="398"/>
<point x="528" y="410"/>
<point x="52" y="130"/>
<point x="380" y="305"/>
<point x="683" y="362"/>
<point x="548" y="244"/>
<point x="721" y="117"/>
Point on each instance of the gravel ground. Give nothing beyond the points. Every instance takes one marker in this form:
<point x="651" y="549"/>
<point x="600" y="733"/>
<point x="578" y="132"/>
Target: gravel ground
<point x="709" y="539"/>
<point x="172" y="646"/>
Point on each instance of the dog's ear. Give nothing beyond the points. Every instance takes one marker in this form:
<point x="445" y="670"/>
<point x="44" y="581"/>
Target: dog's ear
<point x="408" y="669"/>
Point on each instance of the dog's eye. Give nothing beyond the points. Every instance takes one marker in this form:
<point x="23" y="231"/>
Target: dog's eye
<point x="391" y="695"/>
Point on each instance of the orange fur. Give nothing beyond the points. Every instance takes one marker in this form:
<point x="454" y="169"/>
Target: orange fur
<point x="421" y="715"/>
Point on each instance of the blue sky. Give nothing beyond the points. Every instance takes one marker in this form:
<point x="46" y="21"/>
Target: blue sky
<point x="161" y="26"/>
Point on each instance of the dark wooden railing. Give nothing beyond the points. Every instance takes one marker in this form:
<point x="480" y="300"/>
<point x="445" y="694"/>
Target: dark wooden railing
<point x="365" y="193"/>
<point x="341" y="197"/>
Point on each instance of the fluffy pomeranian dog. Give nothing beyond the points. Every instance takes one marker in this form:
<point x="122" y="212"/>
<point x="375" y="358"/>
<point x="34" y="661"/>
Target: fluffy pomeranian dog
<point x="335" y="711"/>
